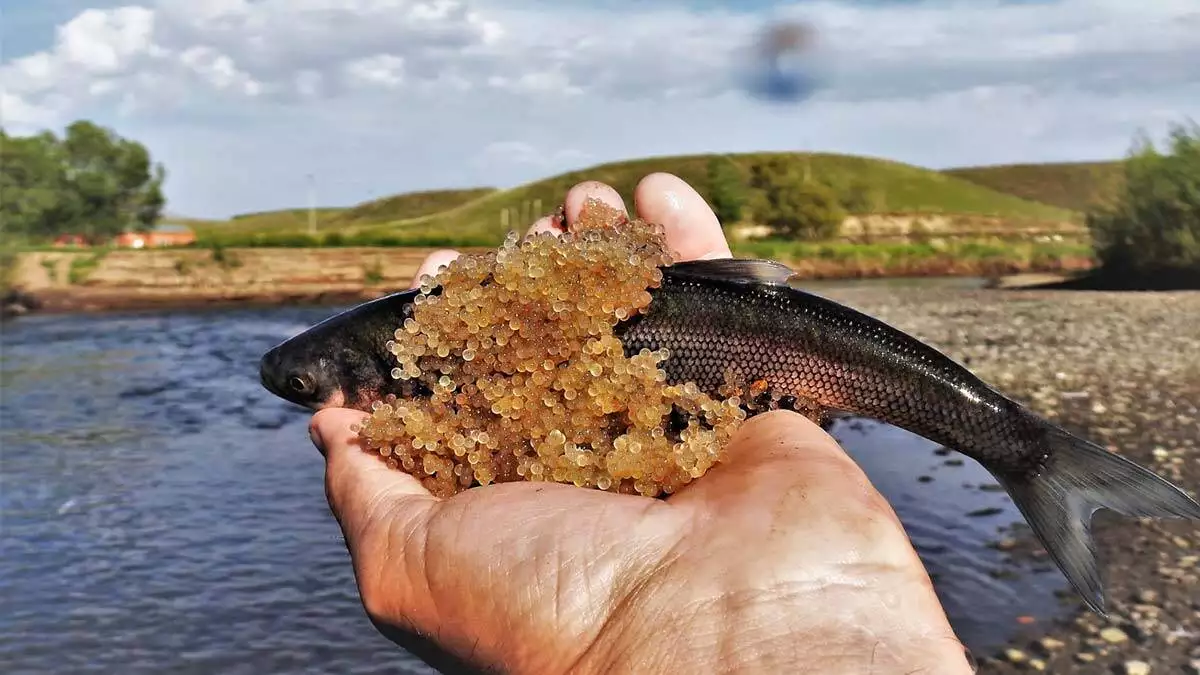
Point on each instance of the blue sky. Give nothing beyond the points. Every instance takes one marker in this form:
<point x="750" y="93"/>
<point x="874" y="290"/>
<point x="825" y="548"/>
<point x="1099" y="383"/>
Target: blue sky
<point x="241" y="99"/>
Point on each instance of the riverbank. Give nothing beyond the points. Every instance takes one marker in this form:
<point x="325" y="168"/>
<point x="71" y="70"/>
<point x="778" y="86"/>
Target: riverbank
<point x="1117" y="368"/>
<point x="108" y="280"/>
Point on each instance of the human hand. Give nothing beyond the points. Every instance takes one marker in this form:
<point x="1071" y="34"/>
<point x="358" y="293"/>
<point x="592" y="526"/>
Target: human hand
<point x="782" y="558"/>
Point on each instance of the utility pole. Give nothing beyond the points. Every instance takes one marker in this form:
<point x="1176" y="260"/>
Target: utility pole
<point x="312" y="206"/>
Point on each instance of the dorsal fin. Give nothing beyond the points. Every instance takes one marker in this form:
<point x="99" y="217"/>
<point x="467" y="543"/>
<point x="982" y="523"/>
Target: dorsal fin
<point x="741" y="270"/>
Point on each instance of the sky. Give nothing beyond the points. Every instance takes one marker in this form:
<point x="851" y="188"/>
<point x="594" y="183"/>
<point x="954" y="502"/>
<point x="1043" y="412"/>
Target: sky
<point x="242" y="100"/>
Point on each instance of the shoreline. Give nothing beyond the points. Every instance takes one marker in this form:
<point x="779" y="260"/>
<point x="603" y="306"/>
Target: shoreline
<point x="80" y="282"/>
<point x="1117" y="368"/>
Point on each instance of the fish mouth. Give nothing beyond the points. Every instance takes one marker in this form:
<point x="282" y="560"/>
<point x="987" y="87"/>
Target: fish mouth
<point x="268" y="369"/>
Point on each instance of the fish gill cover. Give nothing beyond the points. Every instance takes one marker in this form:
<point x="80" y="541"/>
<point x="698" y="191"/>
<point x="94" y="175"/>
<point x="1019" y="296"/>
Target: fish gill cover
<point x="529" y="381"/>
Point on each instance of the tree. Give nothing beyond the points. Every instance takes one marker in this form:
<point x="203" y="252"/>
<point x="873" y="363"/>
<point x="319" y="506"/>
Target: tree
<point x="726" y="189"/>
<point x="91" y="181"/>
<point x="32" y="185"/>
<point x="860" y="197"/>
<point x="1154" y="224"/>
<point x="792" y="204"/>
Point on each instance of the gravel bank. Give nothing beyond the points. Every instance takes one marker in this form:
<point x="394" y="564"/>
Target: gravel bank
<point x="1124" y="371"/>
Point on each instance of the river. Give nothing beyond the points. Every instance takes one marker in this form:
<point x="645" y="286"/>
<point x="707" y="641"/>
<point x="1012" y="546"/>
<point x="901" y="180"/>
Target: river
<point x="162" y="513"/>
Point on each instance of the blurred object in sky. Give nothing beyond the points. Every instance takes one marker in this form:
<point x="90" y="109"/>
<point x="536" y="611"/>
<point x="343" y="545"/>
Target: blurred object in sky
<point x="783" y="63"/>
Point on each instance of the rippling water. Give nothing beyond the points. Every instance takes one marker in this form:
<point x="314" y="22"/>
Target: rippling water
<point x="161" y="512"/>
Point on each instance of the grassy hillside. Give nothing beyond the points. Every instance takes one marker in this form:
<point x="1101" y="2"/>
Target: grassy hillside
<point x="1076" y="186"/>
<point x="408" y="205"/>
<point x="396" y="207"/>
<point x="904" y="188"/>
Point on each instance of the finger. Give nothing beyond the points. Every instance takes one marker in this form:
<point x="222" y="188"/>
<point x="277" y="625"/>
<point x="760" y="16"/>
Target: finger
<point x="543" y="224"/>
<point x="356" y="481"/>
<point x="590" y="189"/>
<point x="693" y="231"/>
<point x="433" y="263"/>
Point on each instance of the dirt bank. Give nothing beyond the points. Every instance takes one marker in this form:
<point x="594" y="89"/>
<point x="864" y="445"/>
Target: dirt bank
<point x="91" y="281"/>
<point x="1121" y="369"/>
<point x="96" y="281"/>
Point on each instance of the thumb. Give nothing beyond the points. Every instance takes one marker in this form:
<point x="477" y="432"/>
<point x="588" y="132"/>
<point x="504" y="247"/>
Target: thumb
<point x="367" y="496"/>
<point x="358" y="483"/>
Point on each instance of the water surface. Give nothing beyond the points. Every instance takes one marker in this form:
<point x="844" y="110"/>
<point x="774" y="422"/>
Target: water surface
<point x="162" y="513"/>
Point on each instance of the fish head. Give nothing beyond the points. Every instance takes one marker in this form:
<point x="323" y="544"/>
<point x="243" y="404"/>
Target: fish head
<point x="297" y="372"/>
<point x="342" y="362"/>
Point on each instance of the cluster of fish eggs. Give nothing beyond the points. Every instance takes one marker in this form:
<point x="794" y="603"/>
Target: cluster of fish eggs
<point x="527" y="380"/>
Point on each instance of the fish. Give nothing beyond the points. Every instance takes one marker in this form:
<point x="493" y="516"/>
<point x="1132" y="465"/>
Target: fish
<point x="751" y="317"/>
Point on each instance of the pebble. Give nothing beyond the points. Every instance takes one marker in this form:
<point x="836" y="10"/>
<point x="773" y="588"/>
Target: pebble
<point x="1113" y="635"/>
<point x="1037" y="664"/>
<point x="1192" y="668"/>
<point x="1084" y="657"/>
<point x="1015" y="656"/>
<point x="1147" y="597"/>
<point x="1047" y="645"/>
<point x="1137" y="668"/>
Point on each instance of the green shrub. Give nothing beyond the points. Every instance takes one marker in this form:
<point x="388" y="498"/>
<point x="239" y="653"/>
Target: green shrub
<point x="727" y="189"/>
<point x="793" y="204"/>
<point x="1154" y="226"/>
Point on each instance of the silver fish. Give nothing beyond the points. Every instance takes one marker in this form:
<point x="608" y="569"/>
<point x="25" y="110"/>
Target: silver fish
<point x="816" y="356"/>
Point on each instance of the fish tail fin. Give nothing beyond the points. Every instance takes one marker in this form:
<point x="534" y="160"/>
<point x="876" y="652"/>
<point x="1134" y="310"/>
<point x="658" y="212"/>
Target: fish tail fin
<point x="1078" y="479"/>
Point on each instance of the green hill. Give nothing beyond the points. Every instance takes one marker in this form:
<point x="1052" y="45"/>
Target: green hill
<point x="408" y="205"/>
<point x="1076" y="185"/>
<point x="904" y="189"/>
<point x="286" y="221"/>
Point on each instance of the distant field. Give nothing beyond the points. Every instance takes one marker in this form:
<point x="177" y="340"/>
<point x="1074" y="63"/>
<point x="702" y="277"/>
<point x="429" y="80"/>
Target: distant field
<point x="1076" y="186"/>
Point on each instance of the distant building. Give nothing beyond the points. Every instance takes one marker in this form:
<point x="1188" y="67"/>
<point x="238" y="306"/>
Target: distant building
<point x="70" y="241"/>
<point x="160" y="236"/>
<point x="171" y="235"/>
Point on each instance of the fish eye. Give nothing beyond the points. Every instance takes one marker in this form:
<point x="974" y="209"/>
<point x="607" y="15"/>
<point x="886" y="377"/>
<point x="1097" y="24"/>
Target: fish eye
<point x="301" y="384"/>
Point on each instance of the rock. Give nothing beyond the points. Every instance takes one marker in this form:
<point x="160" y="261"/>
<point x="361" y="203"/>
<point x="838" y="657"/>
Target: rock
<point x="1113" y="635"/>
<point x="1147" y="597"/>
<point x="1192" y="667"/>
<point x="1015" y="656"/>
<point x="1037" y="664"/>
<point x="985" y="512"/>
<point x="1084" y="657"/>
<point x="1048" y="645"/>
<point x="1137" y="668"/>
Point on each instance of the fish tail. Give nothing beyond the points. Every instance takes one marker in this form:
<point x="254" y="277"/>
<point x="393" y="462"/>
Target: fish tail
<point x="1077" y="479"/>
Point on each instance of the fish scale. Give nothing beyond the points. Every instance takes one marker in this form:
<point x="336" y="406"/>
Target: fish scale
<point x="834" y="359"/>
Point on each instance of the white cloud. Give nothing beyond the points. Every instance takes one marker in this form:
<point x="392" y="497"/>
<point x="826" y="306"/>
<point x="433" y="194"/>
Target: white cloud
<point x="101" y="42"/>
<point x="445" y="92"/>
<point x="510" y="153"/>
<point x="386" y="70"/>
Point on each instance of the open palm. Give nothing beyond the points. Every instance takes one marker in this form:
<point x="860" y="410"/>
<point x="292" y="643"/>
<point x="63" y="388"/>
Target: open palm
<point x="784" y="557"/>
